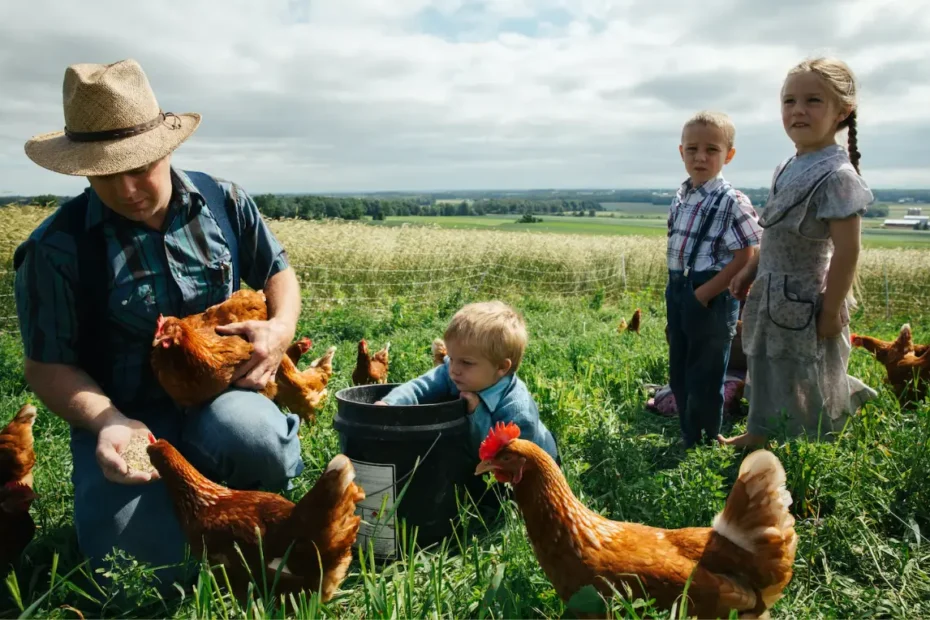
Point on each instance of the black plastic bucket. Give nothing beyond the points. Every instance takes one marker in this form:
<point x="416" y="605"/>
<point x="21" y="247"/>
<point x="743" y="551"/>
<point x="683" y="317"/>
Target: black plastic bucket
<point x="383" y="443"/>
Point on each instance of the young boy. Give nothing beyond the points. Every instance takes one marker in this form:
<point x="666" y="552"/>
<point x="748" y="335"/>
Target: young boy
<point x="712" y="233"/>
<point x="485" y="344"/>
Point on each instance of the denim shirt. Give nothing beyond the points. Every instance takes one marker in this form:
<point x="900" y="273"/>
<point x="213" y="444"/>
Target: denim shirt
<point x="179" y="270"/>
<point x="508" y="400"/>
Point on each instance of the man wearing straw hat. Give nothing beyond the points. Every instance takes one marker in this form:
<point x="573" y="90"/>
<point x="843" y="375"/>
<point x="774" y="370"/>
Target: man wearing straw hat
<point x="145" y="239"/>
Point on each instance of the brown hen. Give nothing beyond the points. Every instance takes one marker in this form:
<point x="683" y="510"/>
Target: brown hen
<point x="304" y="392"/>
<point x="907" y="365"/>
<point x="298" y="349"/>
<point x="17" y="447"/>
<point x="371" y="368"/>
<point x="17" y="459"/>
<point x="243" y="305"/>
<point x="889" y="352"/>
<point x="634" y="323"/>
<point x="744" y="562"/>
<point x="439" y="351"/>
<point x="194" y="365"/>
<point x="216" y="518"/>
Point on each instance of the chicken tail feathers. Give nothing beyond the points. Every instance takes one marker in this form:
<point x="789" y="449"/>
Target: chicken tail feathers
<point x="26" y="415"/>
<point x="325" y="361"/>
<point x="756" y="518"/>
<point x="328" y="513"/>
<point x="439" y="351"/>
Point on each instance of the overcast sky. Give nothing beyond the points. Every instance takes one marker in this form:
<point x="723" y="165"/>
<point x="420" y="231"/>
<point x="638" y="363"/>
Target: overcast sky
<point x="343" y="95"/>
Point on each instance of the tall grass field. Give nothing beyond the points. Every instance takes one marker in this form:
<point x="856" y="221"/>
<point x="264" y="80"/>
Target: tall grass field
<point x="862" y="503"/>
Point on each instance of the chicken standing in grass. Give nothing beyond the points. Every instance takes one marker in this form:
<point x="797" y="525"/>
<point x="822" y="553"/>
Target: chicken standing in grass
<point x="17" y="459"/>
<point x="298" y="348"/>
<point x="322" y="526"/>
<point x="889" y="352"/>
<point x="907" y="365"/>
<point x="439" y="351"/>
<point x="370" y="368"/>
<point x="304" y="392"/>
<point x="743" y="562"/>
<point x="634" y="323"/>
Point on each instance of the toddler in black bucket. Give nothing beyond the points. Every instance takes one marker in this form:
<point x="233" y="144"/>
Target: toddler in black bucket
<point x="484" y="344"/>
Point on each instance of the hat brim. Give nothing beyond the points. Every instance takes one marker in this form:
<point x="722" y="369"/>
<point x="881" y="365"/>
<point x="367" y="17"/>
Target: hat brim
<point x="58" y="153"/>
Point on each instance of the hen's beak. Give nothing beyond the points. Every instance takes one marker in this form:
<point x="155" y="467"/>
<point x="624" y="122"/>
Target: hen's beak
<point x="158" y="340"/>
<point x="484" y="467"/>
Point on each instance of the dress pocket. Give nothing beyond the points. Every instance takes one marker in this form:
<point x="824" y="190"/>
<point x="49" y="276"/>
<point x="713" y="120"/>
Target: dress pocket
<point x="789" y="306"/>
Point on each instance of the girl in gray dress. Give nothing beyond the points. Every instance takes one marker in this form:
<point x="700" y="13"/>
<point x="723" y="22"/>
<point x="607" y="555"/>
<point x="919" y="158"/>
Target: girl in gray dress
<point x="796" y="319"/>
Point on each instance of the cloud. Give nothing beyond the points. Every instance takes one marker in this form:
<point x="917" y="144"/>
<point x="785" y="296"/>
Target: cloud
<point x="442" y="94"/>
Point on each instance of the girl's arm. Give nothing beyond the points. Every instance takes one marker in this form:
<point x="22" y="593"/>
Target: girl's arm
<point x="752" y="266"/>
<point x="740" y="283"/>
<point x="842" y="272"/>
<point x="845" y="234"/>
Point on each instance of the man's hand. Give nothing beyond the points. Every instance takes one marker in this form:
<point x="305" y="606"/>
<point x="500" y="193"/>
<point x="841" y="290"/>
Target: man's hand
<point x="112" y="440"/>
<point x="472" y="400"/>
<point x="270" y="340"/>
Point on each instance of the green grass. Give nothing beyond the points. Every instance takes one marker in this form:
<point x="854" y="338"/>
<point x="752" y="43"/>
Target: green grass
<point x="566" y="225"/>
<point x="637" y="208"/>
<point x="861" y="503"/>
<point x="644" y="223"/>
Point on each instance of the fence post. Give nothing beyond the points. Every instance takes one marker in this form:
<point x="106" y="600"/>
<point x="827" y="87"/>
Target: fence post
<point x="887" y="295"/>
<point x="623" y="270"/>
<point x="484" y="273"/>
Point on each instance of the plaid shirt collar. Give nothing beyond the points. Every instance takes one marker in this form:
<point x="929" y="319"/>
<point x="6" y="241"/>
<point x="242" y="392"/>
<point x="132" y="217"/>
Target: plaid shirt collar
<point x="181" y="191"/>
<point x="687" y="193"/>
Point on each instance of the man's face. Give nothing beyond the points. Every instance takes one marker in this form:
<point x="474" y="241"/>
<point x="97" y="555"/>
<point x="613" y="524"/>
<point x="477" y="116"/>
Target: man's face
<point x="141" y="194"/>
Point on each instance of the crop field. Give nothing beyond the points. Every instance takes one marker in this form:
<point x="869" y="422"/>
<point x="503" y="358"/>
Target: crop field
<point x="640" y="219"/>
<point x="861" y="502"/>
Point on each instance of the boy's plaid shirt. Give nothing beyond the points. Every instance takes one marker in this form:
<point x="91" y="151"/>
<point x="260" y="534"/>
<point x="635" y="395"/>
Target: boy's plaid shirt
<point x="735" y="225"/>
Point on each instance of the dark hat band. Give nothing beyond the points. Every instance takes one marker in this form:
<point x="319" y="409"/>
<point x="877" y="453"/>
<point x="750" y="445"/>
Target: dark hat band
<point x="126" y="132"/>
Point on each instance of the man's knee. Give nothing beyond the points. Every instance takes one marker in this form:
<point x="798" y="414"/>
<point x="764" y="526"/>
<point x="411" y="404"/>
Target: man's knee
<point x="244" y="439"/>
<point x="138" y="520"/>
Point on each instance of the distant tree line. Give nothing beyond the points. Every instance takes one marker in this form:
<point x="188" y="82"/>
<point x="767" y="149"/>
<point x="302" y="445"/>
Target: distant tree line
<point x="877" y="210"/>
<point x="353" y="208"/>
<point x="537" y="202"/>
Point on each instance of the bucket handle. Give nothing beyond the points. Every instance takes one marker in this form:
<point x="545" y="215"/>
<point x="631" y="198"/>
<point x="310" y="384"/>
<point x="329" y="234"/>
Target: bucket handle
<point x="409" y="473"/>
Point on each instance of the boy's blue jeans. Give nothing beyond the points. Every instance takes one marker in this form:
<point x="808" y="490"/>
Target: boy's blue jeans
<point x="240" y="437"/>
<point x="699" y="350"/>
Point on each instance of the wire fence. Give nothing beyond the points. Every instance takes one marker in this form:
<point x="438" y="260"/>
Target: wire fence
<point x="380" y="268"/>
<point x="381" y="289"/>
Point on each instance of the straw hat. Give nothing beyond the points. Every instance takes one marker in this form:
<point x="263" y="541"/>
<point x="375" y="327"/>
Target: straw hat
<point x="112" y="123"/>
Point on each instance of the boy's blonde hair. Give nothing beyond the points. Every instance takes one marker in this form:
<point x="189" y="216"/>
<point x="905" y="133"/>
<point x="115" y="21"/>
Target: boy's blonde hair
<point x="714" y="119"/>
<point x="841" y="82"/>
<point x="494" y="328"/>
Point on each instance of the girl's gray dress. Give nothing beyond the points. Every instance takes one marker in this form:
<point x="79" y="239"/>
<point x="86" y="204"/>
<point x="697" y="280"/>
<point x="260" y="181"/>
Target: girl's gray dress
<point x="797" y="383"/>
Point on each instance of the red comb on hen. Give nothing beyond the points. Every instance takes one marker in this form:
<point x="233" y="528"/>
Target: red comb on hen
<point x="160" y="323"/>
<point x="498" y="437"/>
